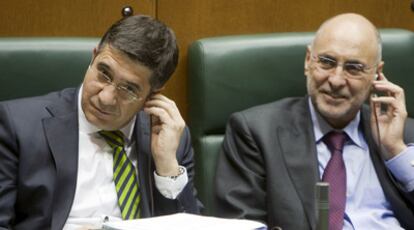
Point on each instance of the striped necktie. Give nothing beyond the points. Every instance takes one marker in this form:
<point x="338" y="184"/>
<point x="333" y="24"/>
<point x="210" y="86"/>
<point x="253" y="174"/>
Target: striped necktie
<point x="125" y="178"/>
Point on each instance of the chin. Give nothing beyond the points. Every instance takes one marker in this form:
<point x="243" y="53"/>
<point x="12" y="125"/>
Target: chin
<point x="98" y="123"/>
<point x="333" y="112"/>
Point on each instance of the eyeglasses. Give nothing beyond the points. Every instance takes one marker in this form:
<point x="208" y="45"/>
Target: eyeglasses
<point x="352" y="69"/>
<point x="125" y="91"/>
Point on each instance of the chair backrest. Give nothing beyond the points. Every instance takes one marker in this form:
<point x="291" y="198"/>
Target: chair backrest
<point x="35" y="66"/>
<point x="232" y="73"/>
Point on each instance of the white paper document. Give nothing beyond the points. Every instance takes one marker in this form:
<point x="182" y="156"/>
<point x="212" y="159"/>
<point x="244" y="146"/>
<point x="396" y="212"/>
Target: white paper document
<point x="184" y="221"/>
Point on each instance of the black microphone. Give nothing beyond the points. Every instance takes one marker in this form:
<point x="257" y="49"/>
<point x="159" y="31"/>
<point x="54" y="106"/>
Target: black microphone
<point x="322" y="205"/>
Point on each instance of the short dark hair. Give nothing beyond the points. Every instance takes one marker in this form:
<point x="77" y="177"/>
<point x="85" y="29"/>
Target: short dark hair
<point x="147" y="41"/>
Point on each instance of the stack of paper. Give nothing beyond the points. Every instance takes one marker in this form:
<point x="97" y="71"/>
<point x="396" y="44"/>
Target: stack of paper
<point x="183" y="221"/>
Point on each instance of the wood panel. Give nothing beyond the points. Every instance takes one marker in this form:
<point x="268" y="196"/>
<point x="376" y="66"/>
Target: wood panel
<point x="194" y="19"/>
<point x="64" y="18"/>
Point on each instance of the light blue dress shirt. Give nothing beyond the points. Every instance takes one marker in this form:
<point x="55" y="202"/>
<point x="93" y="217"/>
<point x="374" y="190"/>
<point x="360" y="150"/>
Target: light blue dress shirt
<point x="366" y="205"/>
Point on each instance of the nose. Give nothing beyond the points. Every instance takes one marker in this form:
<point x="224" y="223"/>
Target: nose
<point x="337" y="78"/>
<point x="107" y="96"/>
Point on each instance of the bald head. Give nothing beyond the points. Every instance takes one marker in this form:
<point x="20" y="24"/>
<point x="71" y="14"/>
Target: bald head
<point x="341" y="65"/>
<point x="352" y="29"/>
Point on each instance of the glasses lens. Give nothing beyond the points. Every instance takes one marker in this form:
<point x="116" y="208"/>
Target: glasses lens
<point x="104" y="78"/>
<point x="128" y="93"/>
<point x="326" y="63"/>
<point x="354" y="69"/>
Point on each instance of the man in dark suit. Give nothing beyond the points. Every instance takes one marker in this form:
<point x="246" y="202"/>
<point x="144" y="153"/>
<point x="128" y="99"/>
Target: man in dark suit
<point x="274" y="154"/>
<point x="113" y="148"/>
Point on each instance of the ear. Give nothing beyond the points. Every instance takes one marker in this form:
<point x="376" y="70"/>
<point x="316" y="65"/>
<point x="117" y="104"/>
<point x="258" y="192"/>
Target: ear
<point x="155" y="91"/>
<point x="94" y="53"/>
<point x="307" y="59"/>
<point x="380" y="67"/>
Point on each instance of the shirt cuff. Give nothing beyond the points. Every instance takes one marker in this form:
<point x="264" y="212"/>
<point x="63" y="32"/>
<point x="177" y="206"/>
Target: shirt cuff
<point x="402" y="167"/>
<point x="171" y="187"/>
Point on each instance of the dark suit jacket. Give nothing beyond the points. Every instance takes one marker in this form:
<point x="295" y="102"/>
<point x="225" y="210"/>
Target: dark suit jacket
<point x="39" y="158"/>
<point x="268" y="167"/>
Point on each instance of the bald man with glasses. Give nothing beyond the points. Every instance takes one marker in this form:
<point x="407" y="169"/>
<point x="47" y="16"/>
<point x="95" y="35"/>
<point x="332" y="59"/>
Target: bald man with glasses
<point x="274" y="154"/>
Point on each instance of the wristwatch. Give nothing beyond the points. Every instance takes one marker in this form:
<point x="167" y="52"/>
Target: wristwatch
<point x="181" y="171"/>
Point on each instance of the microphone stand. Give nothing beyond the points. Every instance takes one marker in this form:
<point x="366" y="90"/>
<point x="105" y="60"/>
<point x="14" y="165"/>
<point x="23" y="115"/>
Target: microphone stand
<point x="322" y="205"/>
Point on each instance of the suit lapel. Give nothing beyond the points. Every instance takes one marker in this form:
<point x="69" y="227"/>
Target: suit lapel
<point x="62" y="135"/>
<point x="143" y="149"/>
<point x="296" y="139"/>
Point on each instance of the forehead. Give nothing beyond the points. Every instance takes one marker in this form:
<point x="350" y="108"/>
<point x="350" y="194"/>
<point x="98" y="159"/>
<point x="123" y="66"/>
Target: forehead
<point x="347" y="42"/>
<point x="121" y="66"/>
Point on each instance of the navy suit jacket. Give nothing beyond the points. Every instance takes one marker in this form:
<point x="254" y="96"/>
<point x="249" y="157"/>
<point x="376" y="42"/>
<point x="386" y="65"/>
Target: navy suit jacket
<point x="268" y="167"/>
<point x="39" y="161"/>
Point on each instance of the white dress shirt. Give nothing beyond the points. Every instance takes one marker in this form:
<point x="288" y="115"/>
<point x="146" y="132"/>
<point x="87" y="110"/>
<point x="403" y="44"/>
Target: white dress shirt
<point x="95" y="197"/>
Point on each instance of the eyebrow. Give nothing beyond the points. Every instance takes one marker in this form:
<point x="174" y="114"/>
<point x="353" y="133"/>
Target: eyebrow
<point x="104" y="66"/>
<point x="351" y="61"/>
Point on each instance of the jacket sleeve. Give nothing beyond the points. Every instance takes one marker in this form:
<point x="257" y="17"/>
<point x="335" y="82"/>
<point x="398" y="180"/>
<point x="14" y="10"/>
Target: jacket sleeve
<point x="409" y="139"/>
<point x="8" y="169"/>
<point x="240" y="173"/>
<point x="186" y="201"/>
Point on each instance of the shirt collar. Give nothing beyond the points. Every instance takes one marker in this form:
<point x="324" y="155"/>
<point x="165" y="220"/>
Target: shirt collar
<point x="86" y="127"/>
<point x="321" y="127"/>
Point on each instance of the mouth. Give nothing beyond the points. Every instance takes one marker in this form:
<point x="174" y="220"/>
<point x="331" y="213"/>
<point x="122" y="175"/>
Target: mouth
<point x="102" y="113"/>
<point x="334" y="96"/>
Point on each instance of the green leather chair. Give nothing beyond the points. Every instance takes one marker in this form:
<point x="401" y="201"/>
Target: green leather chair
<point x="35" y="66"/>
<point x="229" y="74"/>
